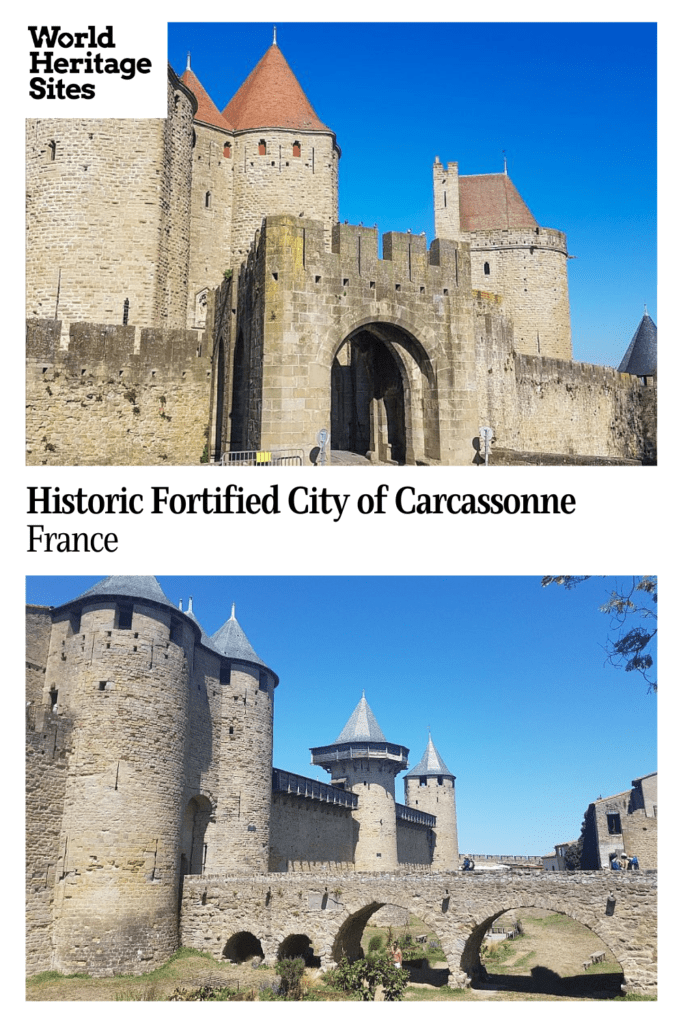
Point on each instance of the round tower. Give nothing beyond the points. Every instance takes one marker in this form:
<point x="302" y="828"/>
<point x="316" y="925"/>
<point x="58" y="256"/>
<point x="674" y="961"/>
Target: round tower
<point x="285" y="159"/>
<point x="108" y="216"/>
<point x="362" y="761"/>
<point x="213" y="167"/>
<point x="118" y="669"/>
<point x="430" y="787"/>
<point x="242" y="831"/>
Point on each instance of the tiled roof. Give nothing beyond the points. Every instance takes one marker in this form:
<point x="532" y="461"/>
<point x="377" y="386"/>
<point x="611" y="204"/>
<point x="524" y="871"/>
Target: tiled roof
<point x="362" y="725"/>
<point x="143" y="587"/>
<point x="492" y="201"/>
<point x="271" y="97"/>
<point x="230" y="641"/>
<point x="641" y="355"/>
<point x="207" y="111"/>
<point x="431" y="763"/>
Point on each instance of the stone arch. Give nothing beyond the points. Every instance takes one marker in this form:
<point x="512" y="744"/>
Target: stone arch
<point x="384" y="396"/>
<point x="193" y="835"/>
<point x="298" y="945"/>
<point x="242" y="946"/>
<point x="347" y="939"/>
<point x="470" y="961"/>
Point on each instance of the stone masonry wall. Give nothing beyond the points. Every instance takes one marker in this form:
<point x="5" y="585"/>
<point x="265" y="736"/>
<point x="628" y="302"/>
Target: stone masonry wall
<point x="108" y="217"/>
<point x="528" y="268"/>
<point x="113" y="398"/>
<point x="332" y="912"/>
<point x="417" y="302"/>
<point x="38" y="630"/>
<point x="244" y="776"/>
<point x="307" y="835"/>
<point x="212" y="211"/>
<point x="48" y="746"/>
<point x="125" y="690"/>
<point x="550" y="405"/>
<point x="414" y="843"/>
<point x="640" y="839"/>
<point x="278" y="182"/>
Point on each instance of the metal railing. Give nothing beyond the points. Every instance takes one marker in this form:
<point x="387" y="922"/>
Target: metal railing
<point x="274" y="457"/>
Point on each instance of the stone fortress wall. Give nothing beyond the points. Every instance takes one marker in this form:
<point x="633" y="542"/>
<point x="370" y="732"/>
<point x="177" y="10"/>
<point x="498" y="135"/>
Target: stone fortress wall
<point x="402" y="358"/>
<point x="150" y="759"/>
<point x="151" y="787"/>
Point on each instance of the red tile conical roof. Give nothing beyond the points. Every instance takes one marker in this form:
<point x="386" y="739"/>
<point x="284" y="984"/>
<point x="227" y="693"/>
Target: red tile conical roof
<point x="271" y="97"/>
<point x="207" y="111"/>
<point x="492" y="201"/>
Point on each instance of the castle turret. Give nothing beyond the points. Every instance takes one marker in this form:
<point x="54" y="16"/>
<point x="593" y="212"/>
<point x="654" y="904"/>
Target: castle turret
<point x="640" y="357"/>
<point x="118" y="671"/>
<point x="286" y="161"/>
<point x="362" y="761"/>
<point x="212" y="199"/>
<point x="242" y="831"/>
<point x="430" y="787"/>
<point x="511" y="255"/>
<point x="108" y="216"/>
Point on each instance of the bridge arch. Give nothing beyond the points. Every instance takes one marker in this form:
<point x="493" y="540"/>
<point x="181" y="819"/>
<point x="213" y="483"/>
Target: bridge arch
<point x="470" y="959"/>
<point x="242" y="946"/>
<point x="298" y="945"/>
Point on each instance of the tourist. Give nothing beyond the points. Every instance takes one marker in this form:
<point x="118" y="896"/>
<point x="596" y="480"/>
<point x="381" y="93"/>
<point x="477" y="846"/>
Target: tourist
<point x="397" y="955"/>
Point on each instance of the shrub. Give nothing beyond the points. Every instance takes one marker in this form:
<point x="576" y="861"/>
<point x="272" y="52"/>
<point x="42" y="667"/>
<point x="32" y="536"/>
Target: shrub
<point x="291" y="973"/>
<point x="363" y="977"/>
<point x="375" y="943"/>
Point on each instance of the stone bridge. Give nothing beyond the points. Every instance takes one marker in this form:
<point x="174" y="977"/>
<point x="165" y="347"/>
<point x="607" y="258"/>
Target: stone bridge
<point x="231" y="916"/>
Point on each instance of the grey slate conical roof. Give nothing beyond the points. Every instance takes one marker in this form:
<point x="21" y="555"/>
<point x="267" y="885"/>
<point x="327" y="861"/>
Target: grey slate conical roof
<point x="142" y="587"/>
<point x="362" y="725"/>
<point x="431" y="763"/>
<point x="641" y="355"/>
<point x="231" y="641"/>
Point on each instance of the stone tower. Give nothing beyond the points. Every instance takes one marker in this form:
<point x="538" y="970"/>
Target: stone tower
<point x="212" y="200"/>
<point x="108" y="216"/>
<point x="512" y="256"/>
<point x="118" y="670"/>
<point x="245" y="763"/>
<point x="286" y="160"/>
<point x="430" y="787"/>
<point x="362" y="761"/>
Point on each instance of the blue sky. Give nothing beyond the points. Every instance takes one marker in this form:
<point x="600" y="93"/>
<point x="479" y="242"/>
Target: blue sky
<point x="510" y="677"/>
<point x="573" y="105"/>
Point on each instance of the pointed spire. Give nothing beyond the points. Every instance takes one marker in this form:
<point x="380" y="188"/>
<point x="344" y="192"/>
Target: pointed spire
<point x="187" y="66"/>
<point x="180" y="605"/>
<point x="431" y="763"/>
<point x="232" y="615"/>
<point x="207" y="111"/>
<point x="362" y="725"/>
<point x="232" y="642"/>
<point x="271" y="97"/>
<point x="640" y="357"/>
<point x="274" y="35"/>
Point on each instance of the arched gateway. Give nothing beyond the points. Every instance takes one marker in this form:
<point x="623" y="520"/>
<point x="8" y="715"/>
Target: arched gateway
<point x="332" y="912"/>
<point x="383" y="401"/>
